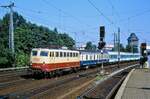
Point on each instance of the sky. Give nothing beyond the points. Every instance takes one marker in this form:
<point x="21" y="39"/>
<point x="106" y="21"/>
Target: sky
<point x="81" y="19"/>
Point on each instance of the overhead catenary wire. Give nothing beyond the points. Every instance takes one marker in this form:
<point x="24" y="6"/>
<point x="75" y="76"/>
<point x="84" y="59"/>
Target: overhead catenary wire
<point x="114" y="9"/>
<point x="100" y="12"/>
<point x="46" y="21"/>
<point x="69" y="15"/>
<point x="135" y="15"/>
<point x="65" y="13"/>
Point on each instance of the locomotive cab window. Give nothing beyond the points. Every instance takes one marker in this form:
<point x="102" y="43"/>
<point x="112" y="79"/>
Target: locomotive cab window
<point x="44" y="53"/>
<point x="34" y="53"/>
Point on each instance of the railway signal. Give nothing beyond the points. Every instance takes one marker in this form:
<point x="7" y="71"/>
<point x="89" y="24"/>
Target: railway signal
<point x="143" y="49"/>
<point x="143" y="58"/>
<point x="101" y="43"/>
<point x="102" y="33"/>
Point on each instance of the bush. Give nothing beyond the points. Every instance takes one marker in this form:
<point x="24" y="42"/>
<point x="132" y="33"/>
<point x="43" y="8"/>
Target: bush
<point x="6" y="58"/>
<point x="22" y="59"/>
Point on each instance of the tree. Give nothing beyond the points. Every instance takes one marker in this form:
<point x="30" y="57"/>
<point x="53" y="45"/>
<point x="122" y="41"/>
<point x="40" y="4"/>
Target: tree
<point x="122" y="49"/>
<point x="27" y="36"/>
<point x="90" y="46"/>
<point x="55" y="30"/>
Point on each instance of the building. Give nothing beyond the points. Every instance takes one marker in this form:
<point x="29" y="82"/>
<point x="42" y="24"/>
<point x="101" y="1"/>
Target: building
<point x="133" y="42"/>
<point x="81" y="47"/>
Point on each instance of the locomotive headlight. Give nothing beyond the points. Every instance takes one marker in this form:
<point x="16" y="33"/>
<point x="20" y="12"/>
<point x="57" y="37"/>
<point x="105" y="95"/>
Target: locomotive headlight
<point x="30" y="63"/>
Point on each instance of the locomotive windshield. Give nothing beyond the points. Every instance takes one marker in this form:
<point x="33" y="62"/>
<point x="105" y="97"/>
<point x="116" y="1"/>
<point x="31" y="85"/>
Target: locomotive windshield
<point x="34" y="53"/>
<point x="44" y="53"/>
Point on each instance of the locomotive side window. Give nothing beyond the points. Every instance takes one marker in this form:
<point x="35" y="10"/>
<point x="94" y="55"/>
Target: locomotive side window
<point x="44" y="53"/>
<point x="70" y="54"/>
<point x="34" y="53"/>
<point x="61" y="54"/>
<point x="74" y="54"/>
<point x="57" y="54"/>
<point x="65" y="54"/>
<point x="51" y="54"/>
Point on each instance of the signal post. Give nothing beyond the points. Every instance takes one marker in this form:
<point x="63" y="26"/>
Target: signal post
<point x="101" y="45"/>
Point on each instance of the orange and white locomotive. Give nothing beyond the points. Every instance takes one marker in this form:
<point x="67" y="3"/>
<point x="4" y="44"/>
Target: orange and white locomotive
<point x="48" y="60"/>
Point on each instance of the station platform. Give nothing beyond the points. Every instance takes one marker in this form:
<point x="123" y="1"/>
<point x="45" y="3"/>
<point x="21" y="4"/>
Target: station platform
<point x="136" y="85"/>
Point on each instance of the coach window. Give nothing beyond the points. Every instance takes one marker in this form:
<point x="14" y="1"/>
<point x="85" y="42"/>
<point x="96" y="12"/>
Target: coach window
<point x="57" y="54"/>
<point x="90" y="57"/>
<point x="86" y="57"/>
<point x="82" y="56"/>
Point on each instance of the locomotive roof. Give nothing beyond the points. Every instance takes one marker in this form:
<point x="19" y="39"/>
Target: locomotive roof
<point x="47" y="49"/>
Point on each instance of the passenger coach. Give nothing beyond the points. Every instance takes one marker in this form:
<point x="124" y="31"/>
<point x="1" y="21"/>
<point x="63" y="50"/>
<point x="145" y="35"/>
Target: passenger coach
<point x="91" y="58"/>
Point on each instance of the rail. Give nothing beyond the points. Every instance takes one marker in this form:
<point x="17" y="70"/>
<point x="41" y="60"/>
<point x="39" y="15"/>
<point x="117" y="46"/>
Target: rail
<point x="14" y="68"/>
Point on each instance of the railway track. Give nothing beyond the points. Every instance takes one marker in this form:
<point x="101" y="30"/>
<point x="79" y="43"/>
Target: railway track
<point x="64" y="87"/>
<point x="11" y="76"/>
<point x="107" y="88"/>
<point x="43" y="85"/>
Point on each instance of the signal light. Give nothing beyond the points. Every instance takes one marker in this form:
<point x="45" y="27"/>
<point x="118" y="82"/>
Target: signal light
<point x="102" y="33"/>
<point x="143" y="49"/>
<point x="101" y="45"/>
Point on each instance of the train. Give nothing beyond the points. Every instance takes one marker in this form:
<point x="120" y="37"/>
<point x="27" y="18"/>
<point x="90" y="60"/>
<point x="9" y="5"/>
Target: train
<point x="44" y="60"/>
